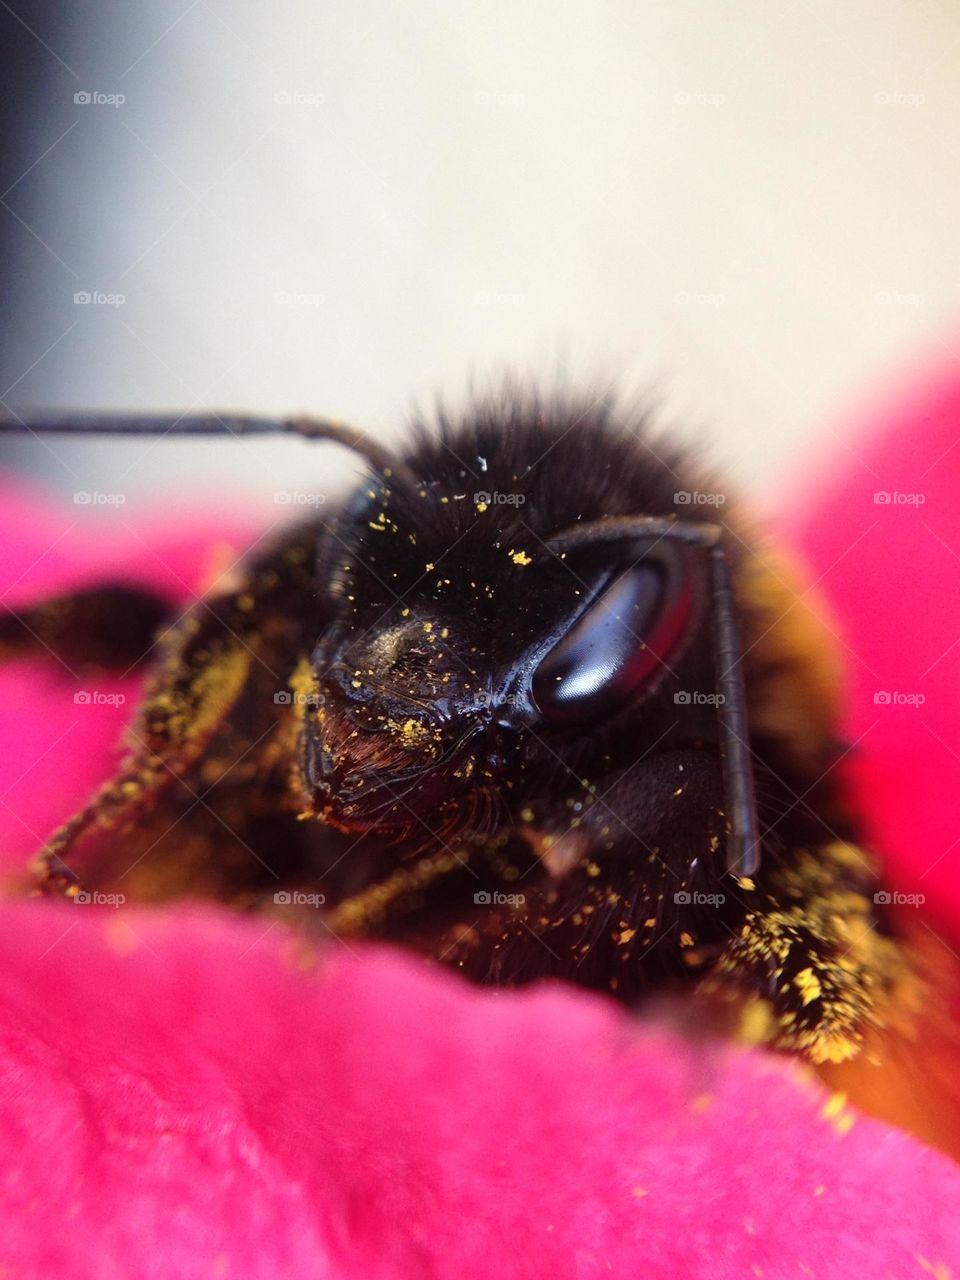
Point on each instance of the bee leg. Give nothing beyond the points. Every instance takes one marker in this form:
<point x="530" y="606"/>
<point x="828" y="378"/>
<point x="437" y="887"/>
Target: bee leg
<point x="214" y="735"/>
<point x="811" y="968"/>
<point x="183" y="708"/>
<point x="110" y="627"/>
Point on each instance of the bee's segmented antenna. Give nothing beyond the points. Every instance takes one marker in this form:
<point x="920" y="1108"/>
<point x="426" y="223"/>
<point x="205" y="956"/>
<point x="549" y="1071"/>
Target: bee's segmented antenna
<point x="743" y="828"/>
<point x="30" y="422"/>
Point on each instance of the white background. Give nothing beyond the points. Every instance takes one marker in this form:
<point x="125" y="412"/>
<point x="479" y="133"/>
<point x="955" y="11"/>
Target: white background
<point x="751" y="205"/>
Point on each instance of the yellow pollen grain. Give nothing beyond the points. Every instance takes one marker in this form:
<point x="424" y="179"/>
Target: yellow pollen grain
<point x="833" y="1106"/>
<point x="808" y="984"/>
<point x="412" y="732"/>
<point x="833" y="1110"/>
<point x="626" y="935"/>
<point x="520" y="557"/>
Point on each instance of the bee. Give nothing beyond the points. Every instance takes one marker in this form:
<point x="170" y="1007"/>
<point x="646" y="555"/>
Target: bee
<point x="532" y="701"/>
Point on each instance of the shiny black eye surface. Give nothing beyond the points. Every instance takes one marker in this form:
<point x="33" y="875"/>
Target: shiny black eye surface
<point x="614" y="648"/>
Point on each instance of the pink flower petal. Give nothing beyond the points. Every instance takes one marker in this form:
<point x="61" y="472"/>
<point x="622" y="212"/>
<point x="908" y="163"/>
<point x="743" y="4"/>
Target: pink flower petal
<point x="246" y="1115"/>
<point x="57" y="750"/>
<point x="890" y="571"/>
<point x="181" y="1095"/>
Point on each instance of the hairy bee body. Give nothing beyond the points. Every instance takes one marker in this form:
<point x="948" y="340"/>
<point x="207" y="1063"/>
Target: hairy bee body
<point x="368" y="721"/>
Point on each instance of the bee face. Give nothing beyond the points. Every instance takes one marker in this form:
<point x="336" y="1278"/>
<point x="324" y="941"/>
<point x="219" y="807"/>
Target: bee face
<point x="467" y="653"/>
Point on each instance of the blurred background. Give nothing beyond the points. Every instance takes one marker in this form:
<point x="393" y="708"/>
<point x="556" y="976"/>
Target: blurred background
<point x="346" y="209"/>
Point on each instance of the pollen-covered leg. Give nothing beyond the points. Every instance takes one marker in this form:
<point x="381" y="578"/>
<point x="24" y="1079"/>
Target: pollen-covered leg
<point x="811" y="958"/>
<point x="213" y="746"/>
<point x="186" y="701"/>
<point x="110" y="627"/>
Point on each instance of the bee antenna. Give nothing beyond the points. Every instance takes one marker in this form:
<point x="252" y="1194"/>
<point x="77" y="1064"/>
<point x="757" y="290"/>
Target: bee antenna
<point x="743" y="831"/>
<point x="40" y="423"/>
<point x="381" y="459"/>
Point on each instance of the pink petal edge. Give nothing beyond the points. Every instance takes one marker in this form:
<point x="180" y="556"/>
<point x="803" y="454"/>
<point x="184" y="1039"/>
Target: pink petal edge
<point x="252" y="1115"/>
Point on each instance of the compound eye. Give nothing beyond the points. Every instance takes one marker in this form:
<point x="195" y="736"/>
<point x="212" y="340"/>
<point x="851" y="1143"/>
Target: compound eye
<point x="616" y="646"/>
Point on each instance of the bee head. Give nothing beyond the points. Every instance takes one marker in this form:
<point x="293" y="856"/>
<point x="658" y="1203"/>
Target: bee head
<point x="470" y="652"/>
